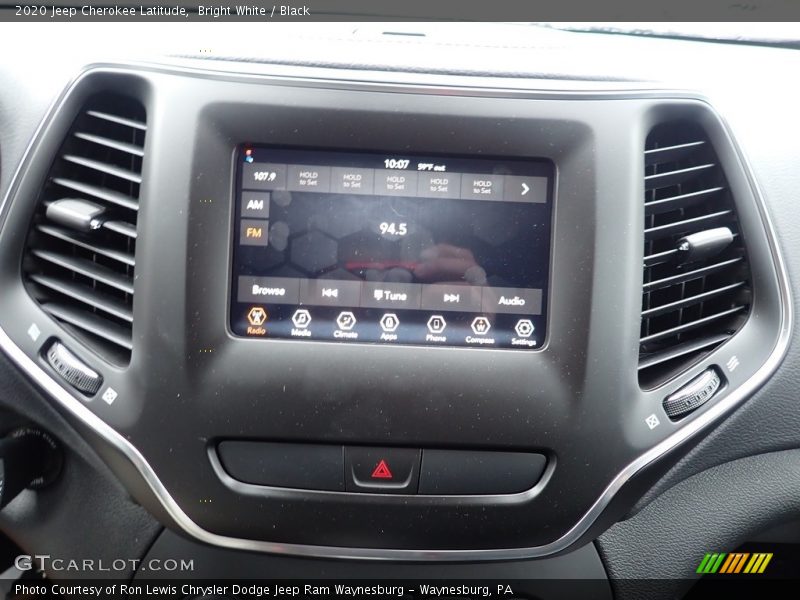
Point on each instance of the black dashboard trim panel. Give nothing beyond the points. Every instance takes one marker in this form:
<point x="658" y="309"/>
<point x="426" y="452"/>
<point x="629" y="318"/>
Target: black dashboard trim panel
<point x="76" y="409"/>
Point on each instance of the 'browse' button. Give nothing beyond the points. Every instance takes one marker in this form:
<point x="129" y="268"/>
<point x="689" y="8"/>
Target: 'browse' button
<point x="269" y="290"/>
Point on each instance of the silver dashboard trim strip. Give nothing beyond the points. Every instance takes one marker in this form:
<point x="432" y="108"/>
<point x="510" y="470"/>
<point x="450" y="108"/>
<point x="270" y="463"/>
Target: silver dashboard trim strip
<point x="359" y="81"/>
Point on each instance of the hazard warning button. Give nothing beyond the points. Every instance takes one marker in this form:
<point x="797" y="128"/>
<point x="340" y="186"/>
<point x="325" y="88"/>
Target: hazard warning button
<point x="382" y="470"/>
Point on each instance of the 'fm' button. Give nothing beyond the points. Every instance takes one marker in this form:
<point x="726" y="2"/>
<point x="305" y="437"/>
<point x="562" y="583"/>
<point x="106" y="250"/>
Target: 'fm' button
<point x="382" y="470"/>
<point x="254" y="232"/>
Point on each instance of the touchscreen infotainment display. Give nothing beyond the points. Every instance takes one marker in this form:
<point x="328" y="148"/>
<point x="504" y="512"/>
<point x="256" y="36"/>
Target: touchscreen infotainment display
<point x="391" y="248"/>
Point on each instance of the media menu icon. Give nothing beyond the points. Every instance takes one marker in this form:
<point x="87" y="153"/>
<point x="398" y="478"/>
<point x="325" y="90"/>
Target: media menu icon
<point x="301" y="318"/>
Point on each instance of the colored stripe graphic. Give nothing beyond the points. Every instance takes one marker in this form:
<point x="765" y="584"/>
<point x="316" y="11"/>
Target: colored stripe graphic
<point x="711" y="562"/>
<point x="735" y="562"/>
<point x="758" y="563"/>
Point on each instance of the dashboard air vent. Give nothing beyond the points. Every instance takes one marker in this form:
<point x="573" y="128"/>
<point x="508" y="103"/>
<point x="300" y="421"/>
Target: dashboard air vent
<point x="696" y="290"/>
<point x="80" y="256"/>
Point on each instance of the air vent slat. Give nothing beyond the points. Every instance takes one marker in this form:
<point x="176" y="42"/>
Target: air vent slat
<point x="696" y="288"/>
<point x="670" y="178"/>
<point x="87" y="268"/>
<point x="660" y="257"/>
<point x="109" y="143"/>
<point x="121" y="227"/>
<point x="133" y="123"/>
<point x="687" y="225"/>
<point x="690" y="325"/>
<point x="68" y="236"/>
<point x="87" y="295"/>
<point x="671" y="153"/>
<point x="663" y="205"/>
<point x="104" y="168"/>
<point x="99" y="193"/>
<point x="681" y="350"/>
<point x="81" y="250"/>
<point x="690" y="275"/>
<point x="91" y="323"/>
<point x="683" y="303"/>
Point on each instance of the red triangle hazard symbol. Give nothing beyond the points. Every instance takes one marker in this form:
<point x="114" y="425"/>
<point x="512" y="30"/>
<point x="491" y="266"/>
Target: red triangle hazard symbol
<point x="382" y="471"/>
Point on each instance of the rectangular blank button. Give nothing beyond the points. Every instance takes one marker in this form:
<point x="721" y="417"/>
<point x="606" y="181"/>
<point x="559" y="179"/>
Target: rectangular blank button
<point x="302" y="466"/>
<point x="462" y="472"/>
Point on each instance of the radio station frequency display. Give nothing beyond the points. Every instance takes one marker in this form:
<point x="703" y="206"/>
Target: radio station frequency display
<point x="391" y="248"/>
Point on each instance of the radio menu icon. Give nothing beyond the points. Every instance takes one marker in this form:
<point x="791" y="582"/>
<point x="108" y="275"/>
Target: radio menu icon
<point x="257" y="316"/>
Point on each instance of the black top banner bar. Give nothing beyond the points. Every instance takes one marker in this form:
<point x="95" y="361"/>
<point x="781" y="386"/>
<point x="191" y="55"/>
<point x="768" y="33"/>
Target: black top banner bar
<point x="405" y="10"/>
